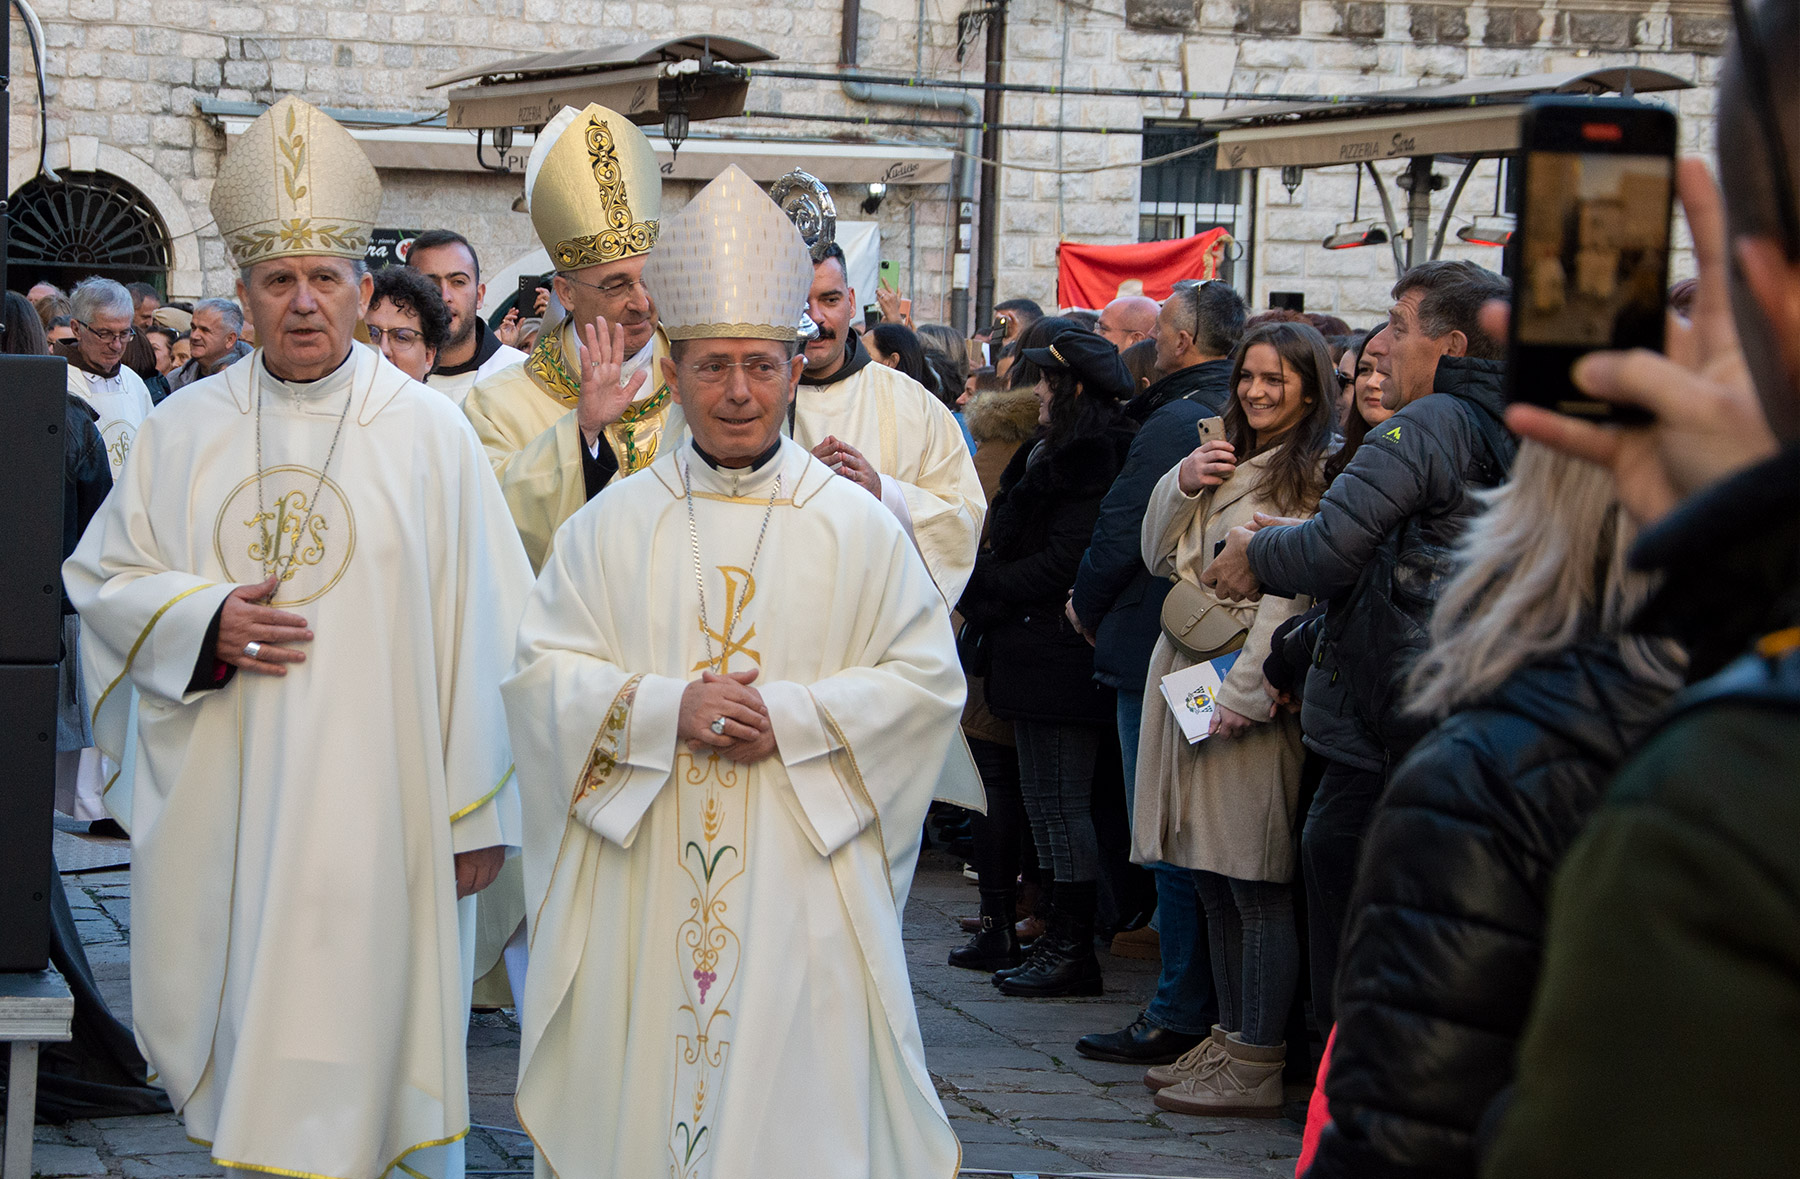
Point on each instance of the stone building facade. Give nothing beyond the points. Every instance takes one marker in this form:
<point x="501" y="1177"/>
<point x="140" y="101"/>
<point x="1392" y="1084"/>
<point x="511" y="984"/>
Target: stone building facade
<point x="124" y="80"/>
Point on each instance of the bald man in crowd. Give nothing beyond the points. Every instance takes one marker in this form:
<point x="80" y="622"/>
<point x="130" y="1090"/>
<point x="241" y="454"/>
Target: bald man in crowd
<point x="1128" y="319"/>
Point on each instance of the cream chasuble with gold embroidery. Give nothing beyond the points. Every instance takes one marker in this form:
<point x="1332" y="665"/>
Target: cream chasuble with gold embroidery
<point x="525" y="417"/>
<point x="298" y="973"/>
<point x="717" y="986"/>
<point x="122" y="401"/>
<point x="928" y="477"/>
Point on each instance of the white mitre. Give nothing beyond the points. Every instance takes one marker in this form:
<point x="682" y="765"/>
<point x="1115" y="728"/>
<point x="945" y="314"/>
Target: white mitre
<point x="730" y="264"/>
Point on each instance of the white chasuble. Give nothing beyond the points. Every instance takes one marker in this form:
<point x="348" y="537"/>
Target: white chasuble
<point x="525" y="417"/>
<point x="298" y="972"/>
<point x="717" y="985"/>
<point x="928" y="476"/>
<point x="122" y="402"/>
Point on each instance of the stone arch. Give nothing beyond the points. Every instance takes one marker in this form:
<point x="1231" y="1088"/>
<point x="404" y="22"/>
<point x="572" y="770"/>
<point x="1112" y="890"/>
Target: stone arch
<point x="85" y="153"/>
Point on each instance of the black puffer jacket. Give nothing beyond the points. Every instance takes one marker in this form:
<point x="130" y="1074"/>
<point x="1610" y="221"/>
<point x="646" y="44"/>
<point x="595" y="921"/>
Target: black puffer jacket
<point x="1446" y="927"/>
<point x="87" y="476"/>
<point x="1038" y="666"/>
<point x="1384" y="538"/>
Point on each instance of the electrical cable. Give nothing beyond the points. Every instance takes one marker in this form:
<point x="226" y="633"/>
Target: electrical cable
<point x="34" y="32"/>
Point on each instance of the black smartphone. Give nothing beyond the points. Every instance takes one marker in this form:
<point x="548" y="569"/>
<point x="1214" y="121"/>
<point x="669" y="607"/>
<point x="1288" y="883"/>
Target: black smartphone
<point x="1590" y="251"/>
<point x="529" y="285"/>
<point x="871" y="317"/>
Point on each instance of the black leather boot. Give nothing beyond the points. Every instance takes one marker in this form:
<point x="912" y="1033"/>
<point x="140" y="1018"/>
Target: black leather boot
<point x="1067" y="965"/>
<point x="995" y="945"/>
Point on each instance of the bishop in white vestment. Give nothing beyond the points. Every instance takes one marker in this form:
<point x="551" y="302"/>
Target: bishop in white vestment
<point x="595" y="193"/>
<point x="308" y="804"/>
<point x="735" y="686"/>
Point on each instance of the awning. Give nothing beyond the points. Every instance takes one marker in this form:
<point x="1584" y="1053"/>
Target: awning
<point x="1472" y="117"/>
<point x="394" y="140"/>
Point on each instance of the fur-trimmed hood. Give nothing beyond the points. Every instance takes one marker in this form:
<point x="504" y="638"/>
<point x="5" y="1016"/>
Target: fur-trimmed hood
<point x="1002" y="415"/>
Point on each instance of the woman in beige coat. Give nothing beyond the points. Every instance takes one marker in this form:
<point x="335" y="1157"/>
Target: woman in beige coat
<point x="1224" y="807"/>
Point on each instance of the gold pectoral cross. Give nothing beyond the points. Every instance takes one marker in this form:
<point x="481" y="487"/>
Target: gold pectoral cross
<point x="740" y="588"/>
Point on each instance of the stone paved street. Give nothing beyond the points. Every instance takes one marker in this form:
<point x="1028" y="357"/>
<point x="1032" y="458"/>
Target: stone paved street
<point x="1019" y="1096"/>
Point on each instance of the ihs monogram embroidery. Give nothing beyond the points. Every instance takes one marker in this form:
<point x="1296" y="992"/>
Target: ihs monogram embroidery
<point x="309" y="545"/>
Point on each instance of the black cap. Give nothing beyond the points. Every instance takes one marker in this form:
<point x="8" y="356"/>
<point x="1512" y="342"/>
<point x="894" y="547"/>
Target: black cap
<point x="1091" y="357"/>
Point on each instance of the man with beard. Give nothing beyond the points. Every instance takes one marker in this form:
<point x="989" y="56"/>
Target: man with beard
<point x="554" y="433"/>
<point x="473" y="351"/>
<point x="886" y="433"/>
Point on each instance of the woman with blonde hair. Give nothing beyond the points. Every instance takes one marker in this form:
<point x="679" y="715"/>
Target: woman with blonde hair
<point x="1543" y="693"/>
<point x="1224" y="808"/>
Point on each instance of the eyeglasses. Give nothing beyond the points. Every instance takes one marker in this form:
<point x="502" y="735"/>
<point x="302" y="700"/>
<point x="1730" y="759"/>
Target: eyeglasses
<point x="617" y="288"/>
<point x="108" y="337"/>
<point x="404" y="337"/>
<point x="759" y="371"/>
<point x="1345" y="379"/>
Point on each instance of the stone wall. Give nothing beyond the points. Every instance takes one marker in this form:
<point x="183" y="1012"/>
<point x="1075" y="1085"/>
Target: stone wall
<point x="126" y="74"/>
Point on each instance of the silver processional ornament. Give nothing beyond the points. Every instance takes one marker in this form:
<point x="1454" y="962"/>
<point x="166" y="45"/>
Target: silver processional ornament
<point x="808" y="204"/>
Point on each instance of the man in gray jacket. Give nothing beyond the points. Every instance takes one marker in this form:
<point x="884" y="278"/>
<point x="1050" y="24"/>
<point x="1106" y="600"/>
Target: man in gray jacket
<point x="1379" y="551"/>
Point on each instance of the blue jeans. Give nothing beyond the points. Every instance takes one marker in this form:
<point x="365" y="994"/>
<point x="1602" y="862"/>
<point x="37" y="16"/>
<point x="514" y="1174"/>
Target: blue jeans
<point x="1185" y="1001"/>
<point x="1131" y="714"/>
<point x="1255" y="953"/>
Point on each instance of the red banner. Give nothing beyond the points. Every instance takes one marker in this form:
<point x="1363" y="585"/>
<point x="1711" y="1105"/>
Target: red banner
<point x="1093" y="276"/>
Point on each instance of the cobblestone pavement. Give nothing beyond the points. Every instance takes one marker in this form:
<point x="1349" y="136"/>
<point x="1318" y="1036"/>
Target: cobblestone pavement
<point x="1019" y="1096"/>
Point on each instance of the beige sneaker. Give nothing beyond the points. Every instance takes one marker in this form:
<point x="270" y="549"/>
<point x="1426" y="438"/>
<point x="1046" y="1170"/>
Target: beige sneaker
<point x="1242" y="1081"/>
<point x="1162" y="1076"/>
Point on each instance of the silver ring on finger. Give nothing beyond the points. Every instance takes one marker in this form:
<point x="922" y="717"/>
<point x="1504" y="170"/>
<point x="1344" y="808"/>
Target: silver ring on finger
<point x="718" y="726"/>
<point x="252" y="650"/>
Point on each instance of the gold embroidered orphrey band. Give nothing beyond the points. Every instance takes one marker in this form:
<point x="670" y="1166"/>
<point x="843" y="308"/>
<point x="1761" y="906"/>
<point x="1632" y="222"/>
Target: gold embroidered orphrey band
<point x="622" y="236"/>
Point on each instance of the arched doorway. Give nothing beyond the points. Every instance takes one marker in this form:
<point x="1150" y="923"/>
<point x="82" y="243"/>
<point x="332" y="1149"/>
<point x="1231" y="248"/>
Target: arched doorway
<point x="90" y="223"/>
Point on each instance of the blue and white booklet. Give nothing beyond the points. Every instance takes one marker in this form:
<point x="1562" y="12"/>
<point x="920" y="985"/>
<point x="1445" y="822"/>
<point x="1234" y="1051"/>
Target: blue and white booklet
<point x="1193" y="693"/>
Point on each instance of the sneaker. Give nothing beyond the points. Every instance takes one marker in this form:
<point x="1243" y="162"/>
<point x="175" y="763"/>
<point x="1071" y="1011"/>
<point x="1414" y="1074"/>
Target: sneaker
<point x="1162" y="1076"/>
<point x="1242" y="1081"/>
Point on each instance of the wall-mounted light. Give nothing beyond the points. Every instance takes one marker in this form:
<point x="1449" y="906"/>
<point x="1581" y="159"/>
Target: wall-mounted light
<point x="675" y="128"/>
<point x="1291" y="175"/>
<point x="872" y="202"/>
<point x="1350" y="239"/>
<point x="1486" y="235"/>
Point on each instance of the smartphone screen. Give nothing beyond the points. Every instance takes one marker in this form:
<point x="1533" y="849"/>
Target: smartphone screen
<point x="1591" y="249"/>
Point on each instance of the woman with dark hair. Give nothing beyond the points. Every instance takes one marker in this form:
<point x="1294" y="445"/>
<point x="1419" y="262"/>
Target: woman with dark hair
<point x="897" y="346"/>
<point x="1040" y="671"/>
<point x="1224" y="807"/>
<point x="140" y="358"/>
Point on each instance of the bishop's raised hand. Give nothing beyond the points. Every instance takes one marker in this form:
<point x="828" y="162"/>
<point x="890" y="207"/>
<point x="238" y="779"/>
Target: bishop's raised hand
<point x="603" y="397"/>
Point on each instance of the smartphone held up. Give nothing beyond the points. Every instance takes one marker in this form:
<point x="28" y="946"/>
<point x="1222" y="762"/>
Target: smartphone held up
<point x="1590" y="259"/>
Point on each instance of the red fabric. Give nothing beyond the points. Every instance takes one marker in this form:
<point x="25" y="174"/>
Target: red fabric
<point x="1090" y="276"/>
<point x="1318" y="1115"/>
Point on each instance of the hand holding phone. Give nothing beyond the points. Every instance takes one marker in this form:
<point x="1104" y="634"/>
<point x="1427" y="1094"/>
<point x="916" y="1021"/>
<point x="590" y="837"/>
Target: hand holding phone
<point x="1213" y="462"/>
<point x="1591" y="247"/>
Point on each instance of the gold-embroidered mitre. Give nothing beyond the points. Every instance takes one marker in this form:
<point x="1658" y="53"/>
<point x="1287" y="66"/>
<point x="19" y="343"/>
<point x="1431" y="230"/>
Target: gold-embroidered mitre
<point x="730" y="264"/>
<point x="593" y="187"/>
<point x="295" y="184"/>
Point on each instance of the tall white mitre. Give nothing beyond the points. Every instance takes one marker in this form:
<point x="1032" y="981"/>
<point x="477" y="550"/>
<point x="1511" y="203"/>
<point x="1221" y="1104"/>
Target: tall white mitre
<point x="730" y="264"/>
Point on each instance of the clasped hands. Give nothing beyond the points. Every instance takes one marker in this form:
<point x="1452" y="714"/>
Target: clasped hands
<point x="749" y="734"/>
<point x="846" y="460"/>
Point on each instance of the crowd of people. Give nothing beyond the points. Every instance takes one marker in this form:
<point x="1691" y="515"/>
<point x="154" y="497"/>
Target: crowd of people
<point x="1487" y="832"/>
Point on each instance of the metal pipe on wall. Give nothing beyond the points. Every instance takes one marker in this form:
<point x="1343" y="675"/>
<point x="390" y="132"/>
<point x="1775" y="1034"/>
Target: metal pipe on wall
<point x="988" y="245"/>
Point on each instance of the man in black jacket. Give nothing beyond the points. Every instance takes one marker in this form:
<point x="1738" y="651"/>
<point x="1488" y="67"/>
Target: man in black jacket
<point x="1118" y="604"/>
<point x="1380" y="549"/>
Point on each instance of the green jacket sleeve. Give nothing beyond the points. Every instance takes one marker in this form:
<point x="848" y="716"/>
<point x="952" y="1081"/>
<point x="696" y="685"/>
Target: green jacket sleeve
<point x="1665" y="1039"/>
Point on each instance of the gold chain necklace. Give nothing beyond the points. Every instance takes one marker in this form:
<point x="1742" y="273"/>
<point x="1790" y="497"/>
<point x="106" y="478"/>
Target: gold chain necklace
<point x="272" y="561"/>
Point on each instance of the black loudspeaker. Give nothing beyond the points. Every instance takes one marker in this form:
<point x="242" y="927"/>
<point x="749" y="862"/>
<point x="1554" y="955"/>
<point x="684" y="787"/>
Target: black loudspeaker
<point x="27" y="796"/>
<point x="33" y="389"/>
